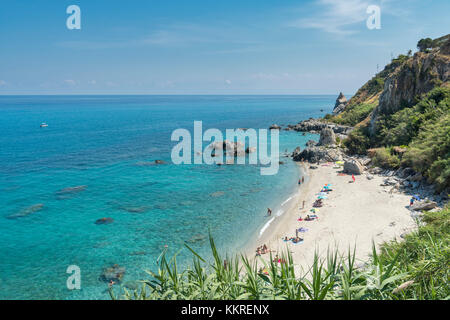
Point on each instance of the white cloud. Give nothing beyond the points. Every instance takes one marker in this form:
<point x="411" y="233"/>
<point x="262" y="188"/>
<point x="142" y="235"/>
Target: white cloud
<point x="92" y="82"/>
<point x="2" y="83"/>
<point x="228" y="81"/>
<point x="336" y="16"/>
<point x="70" y="82"/>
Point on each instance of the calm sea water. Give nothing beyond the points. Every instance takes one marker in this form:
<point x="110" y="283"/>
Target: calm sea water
<point x="99" y="142"/>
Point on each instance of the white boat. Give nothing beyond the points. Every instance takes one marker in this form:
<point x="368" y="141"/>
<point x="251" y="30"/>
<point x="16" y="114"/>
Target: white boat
<point x="43" y="125"/>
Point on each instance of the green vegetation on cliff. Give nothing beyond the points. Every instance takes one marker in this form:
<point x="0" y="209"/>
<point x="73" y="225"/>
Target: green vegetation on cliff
<point x="408" y="105"/>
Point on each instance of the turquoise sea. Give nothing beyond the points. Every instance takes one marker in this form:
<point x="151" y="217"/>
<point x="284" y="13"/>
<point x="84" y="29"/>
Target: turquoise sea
<point x="104" y="143"/>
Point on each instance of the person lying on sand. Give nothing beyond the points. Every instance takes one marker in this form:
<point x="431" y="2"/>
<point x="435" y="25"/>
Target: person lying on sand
<point x="311" y="217"/>
<point x="297" y="240"/>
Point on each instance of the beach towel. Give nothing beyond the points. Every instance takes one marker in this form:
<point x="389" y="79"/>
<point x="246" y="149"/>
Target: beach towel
<point x="302" y="229"/>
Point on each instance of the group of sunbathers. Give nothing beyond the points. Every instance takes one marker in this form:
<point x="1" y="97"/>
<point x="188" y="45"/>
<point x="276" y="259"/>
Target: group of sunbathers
<point x="262" y="250"/>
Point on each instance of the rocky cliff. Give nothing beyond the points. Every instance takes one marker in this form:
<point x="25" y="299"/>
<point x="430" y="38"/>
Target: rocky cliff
<point x="413" y="78"/>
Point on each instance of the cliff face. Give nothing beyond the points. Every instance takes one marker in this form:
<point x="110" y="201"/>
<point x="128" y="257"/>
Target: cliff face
<point x="416" y="76"/>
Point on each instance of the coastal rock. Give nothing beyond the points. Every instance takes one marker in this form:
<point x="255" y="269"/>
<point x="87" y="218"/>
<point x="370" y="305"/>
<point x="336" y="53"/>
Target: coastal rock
<point x="315" y="125"/>
<point x="341" y="103"/>
<point x="389" y="182"/>
<point x="296" y="152"/>
<point x="414" y="78"/>
<point x="317" y="154"/>
<point x="327" y="137"/>
<point x="424" y="205"/>
<point x="104" y="221"/>
<point x="353" y="167"/>
<point x="311" y="143"/>
<point x="274" y="127"/>
<point x="406" y="172"/>
<point x="231" y="148"/>
<point x="415" y="178"/>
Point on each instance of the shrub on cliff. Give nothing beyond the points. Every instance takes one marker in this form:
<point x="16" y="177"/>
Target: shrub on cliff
<point x="429" y="152"/>
<point x="384" y="158"/>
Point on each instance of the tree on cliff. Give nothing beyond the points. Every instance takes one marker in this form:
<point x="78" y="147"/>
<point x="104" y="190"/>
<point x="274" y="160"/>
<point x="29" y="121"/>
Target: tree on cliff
<point x="424" y="44"/>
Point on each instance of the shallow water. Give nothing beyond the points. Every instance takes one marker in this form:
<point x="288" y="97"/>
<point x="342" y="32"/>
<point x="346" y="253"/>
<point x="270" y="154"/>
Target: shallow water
<point x="103" y="144"/>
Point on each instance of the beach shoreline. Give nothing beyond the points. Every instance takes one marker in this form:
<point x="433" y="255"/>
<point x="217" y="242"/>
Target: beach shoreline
<point x="353" y="215"/>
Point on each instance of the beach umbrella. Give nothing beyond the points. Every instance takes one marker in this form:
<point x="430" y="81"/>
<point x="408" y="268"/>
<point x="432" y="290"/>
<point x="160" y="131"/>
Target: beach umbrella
<point x="322" y="194"/>
<point x="416" y="197"/>
<point x="322" y="197"/>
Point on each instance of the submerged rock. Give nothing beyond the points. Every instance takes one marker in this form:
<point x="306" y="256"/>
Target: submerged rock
<point x="134" y="209"/>
<point x="71" y="190"/>
<point x="150" y="163"/>
<point x="197" y="238"/>
<point x="217" y="194"/>
<point x="104" y="221"/>
<point x="114" y="273"/>
<point x="27" y="211"/>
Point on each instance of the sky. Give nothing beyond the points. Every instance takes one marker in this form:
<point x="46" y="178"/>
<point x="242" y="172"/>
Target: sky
<point x="206" y="46"/>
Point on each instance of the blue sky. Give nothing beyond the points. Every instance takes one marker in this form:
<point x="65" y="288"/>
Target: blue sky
<point x="206" y="47"/>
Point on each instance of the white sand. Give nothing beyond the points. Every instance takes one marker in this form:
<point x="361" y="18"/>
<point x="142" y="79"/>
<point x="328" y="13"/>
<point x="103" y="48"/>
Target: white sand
<point x="354" y="214"/>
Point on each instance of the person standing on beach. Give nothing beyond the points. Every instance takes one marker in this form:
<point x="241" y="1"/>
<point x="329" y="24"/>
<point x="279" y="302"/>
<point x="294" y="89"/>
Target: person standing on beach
<point x="303" y="206"/>
<point x="269" y="212"/>
<point x="303" y="179"/>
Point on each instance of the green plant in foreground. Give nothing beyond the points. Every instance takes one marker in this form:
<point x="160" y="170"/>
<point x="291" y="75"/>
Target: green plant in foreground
<point x="416" y="268"/>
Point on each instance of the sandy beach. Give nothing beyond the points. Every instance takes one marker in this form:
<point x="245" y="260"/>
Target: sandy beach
<point x="353" y="214"/>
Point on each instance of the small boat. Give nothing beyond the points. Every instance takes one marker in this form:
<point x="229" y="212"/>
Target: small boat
<point x="44" y="125"/>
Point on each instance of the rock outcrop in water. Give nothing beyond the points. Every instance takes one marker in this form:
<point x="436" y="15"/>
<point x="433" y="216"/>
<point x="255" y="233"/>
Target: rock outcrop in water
<point x="341" y="103"/>
<point x="316" y="126"/>
<point x="230" y="148"/>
